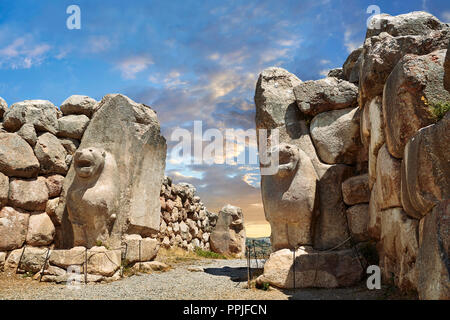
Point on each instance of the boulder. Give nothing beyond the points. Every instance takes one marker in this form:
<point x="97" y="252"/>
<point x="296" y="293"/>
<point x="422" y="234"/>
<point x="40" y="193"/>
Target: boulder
<point x="41" y="230"/>
<point x="13" y="228"/>
<point x="30" y="194"/>
<point x="77" y="105"/>
<point x="2" y="260"/>
<point x="312" y="269"/>
<point x="54" y="185"/>
<point x="51" y="155"/>
<point x="3" y="107"/>
<point x="414" y="85"/>
<point x="42" y="114"/>
<point x="71" y="145"/>
<point x="28" y="133"/>
<point x="274" y="96"/>
<point x="16" y="157"/>
<point x="331" y="225"/>
<point x="356" y="190"/>
<point x="399" y="248"/>
<point x="314" y="97"/>
<point x="4" y="190"/>
<point x="289" y="198"/>
<point x="374" y="224"/>
<point x="434" y="252"/>
<point x="102" y="261"/>
<point x="376" y="135"/>
<point x="72" y="126"/>
<point x="28" y="259"/>
<point x="150" y="266"/>
<point x="352" y="64"/>
<point x="336" y="135"/>
<point x="382" y="53"/>
<point x="424" y="179"/>
<point x="388" y="180"/>
<point x="126" y="135"/>
<point x="140" y="250"/>
<point x="447" y="69"/>
<point x="67" y="258"/>
<point x="358" y="221"/>
<point x="413" y="23"/>
<point x="228" y="237"/>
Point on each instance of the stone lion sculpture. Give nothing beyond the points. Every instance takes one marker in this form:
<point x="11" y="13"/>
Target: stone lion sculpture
<point x="289" y="198"/>
<point x="93" y="196"/>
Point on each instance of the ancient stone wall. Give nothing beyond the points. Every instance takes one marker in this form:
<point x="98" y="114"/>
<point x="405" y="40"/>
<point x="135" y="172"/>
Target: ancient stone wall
<point x="79" y="186"/>
<point x="365" y="158"/>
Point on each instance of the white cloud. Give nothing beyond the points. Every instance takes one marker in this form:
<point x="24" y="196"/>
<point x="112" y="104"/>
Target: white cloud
<point x="133" y="65"/>
<point x="23" y="53"/>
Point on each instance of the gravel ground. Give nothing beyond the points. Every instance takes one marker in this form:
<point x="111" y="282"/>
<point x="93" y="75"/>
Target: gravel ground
<point x="195" y="280"/>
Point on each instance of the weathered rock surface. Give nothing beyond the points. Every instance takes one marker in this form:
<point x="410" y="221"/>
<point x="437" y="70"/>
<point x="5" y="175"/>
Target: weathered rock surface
<point x="4" y="190"/>
<point x="356" y="190"/>
<point x="388" y="180"/>
<point x="228" y="237"/>
<point x="352" y="65"/>
<point x="28" y="259"/>
<point x="336" y="135"/>
<point x="414" y="84"/>
<point x="66" y="258"/>
<point x="30" y="194"/>
<point x="314" y="97"/>
<point x="54" y="185"/>
<point x="42" y="114"/>
<point x="41" y="230"/>
<point x="400" y="245"/>
<point x="72" y="126"/>
<point x="51" y="155"/>
<point x="77" y="105"/>
<point x="13" y="228"/>
<point x="381" y="54"/>
<point x="28" y="133"/>
<point x="312" y="269"/>
<point x="289" y="198"/>
<point x="140" y="250"/>
<point x="102" y="261"/>
<point x="331" y="224"/>
<point x="3" y="107"/>
<point x="16" y="157"/>
<point x="425" y="169"/>
<point x="413" y="23"/>
<point x="130" y="134"/>
<point x="434" y="253"/>
<point x="358" y="221"/>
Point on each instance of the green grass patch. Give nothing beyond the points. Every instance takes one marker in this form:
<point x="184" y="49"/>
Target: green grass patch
<point x="208" y="254"/>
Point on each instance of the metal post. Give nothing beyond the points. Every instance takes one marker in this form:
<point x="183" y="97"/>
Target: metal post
<point x="20" y="259"/>
<point x="85" y="265"/>
<point x="45" y="263"/>
<point x="294" y="267"/>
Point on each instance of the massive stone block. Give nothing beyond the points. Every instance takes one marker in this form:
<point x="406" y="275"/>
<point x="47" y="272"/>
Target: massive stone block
<point x="314" y="97"/>
<point x="434" y="252"/>
<point x="336" y="135"/>
<point x="425" y="179"/>
<point x="16" y="157"/>
<point x="289" y="199"/>
<point x="40" y="113"/>
<point x="312" y="269"/>
<point x="228" y="236"/>
<point x="412" y="87"/>
<point x="127" y="134"/>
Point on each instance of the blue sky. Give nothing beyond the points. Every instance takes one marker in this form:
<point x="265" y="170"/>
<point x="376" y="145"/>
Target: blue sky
<point x="189" y="60"/>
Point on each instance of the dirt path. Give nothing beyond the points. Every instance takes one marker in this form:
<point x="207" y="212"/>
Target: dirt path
<point x="212" y="279"/>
